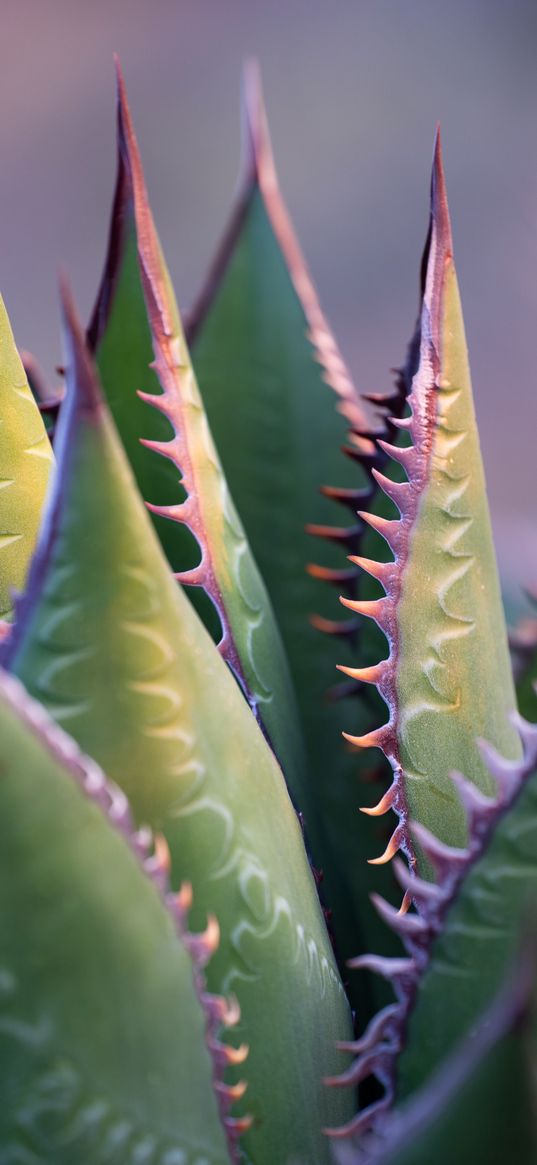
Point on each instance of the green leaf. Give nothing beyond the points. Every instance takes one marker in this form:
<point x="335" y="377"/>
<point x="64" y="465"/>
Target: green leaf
<point x="461" y="937"/>
<point x="103" y="1054"/>
<point x="25" y="464"/>
<point x="478" y="923"/>
<point x="480" y="1106"/>
<point x="147" y="376"/>
<point x="110" y="644"/>
<point x="269" y="370"/>
<point x="447" y="678"/>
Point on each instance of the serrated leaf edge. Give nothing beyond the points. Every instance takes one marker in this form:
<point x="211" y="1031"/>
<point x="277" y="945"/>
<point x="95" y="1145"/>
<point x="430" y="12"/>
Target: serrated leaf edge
<point x="378" y="1048"/>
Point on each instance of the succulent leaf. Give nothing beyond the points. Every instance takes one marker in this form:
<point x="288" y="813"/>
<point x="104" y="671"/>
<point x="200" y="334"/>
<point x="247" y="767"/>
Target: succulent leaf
<point x="110" y="644"/>
<point x="447" y="678"/>
<point x="480" y="1105"/>
<point x="479" y="915"/>
<point x="148" y="379"/>
<point x="268" y="365"/>
<point x="25" y="465"/>
<point x="106" y="1030"/>
<point x="459" y="940"/>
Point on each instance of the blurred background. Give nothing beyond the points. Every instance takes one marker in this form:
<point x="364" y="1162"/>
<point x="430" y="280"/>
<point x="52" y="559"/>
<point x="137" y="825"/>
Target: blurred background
<point x="353" y="90"/>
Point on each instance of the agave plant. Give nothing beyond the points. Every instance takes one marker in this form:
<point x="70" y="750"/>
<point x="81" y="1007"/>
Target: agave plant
<point x="208" y="954"/>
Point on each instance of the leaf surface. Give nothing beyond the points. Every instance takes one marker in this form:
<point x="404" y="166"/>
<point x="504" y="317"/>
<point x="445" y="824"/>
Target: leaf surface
<point x="113" y="648"/>
<point x="25" y="465"/>
<point x="478" y="926"/>
<point x="103" y="1052"/>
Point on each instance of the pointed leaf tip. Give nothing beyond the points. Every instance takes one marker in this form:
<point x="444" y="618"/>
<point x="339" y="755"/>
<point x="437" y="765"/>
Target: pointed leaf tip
<point x="82" y="380"/>
<point x="121" y="92"/>
<point x="439" y="204"/>
<point x="257" y="156"/>
<point x="129" y="152"/>
<point x="131" y="184"/>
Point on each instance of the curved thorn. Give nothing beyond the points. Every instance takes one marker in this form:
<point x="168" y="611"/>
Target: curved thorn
<point x="333" y="533"/>
<point x="359" y="1070"/>
<point x="157" y="400"/>
<point x="162" y="852"/>
<point x="340" y="627"/>
<point x="374" y="1032"/>
<point x="508" y="773"/>
<point x="385" y="399"/>
<point x="202" y="946"/>
<point x="477" y="804"/>
<point x="366" y="675"/>
<point x="390" y="529"/>
<point x="349" y="497"/>
<point x="231" y="1092"/>
<point x="184" y="897"/>
<point x="381" y="610"/>
<point x="397" y="491"/>
<point x="226" y="1055"/>
<point x="526" y="731"/>
<point x="383" y="806"/>
<point x="391" y="848"/>
<point x="383" y="571"/>
<point x="237" y="1125"/>
<point x="224" y="1010"/>
<point x="407" y="456"/>
<point x="405" y="925"/>
<point x="176" y="513"/>
<point x="338" y="577"/>
<point x="389" y="968"/>
<point x="361" y="1122"/>
<point x="426" y="893"/>
<point x="377" y="738"/>
<point x="194" y="577"/>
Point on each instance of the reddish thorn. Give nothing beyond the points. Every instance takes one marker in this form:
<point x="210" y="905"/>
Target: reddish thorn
<point x="361" y="1123"/>
<point x="366" y="675"/>
<point x="385" y="572"/>
<point x="389" y="968"/>
<point x="398" y="491"/>
<point x="407" y="456"/>
<point x="391" y="530"/>
<point x="406" y="925"/>
<point x="391" y="848"/>
<point x="381" y="610"/>
<point x="385" y="803"/>
<point x="378" y="738"/>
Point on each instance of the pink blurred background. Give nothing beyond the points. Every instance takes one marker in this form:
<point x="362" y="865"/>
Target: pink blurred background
<point x="353" y="89"/>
